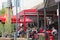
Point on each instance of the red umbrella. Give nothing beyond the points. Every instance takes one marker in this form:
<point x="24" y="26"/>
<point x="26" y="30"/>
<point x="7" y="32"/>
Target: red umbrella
<point x="3" y="19"/>
<point x="27" y="20"/>
<point x="13" y="19"/>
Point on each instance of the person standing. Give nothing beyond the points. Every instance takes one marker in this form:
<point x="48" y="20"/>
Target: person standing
<point x="34" y="34"/>
<point x="54" y="33"/>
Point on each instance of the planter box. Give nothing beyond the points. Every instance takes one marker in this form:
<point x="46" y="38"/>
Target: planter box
<point x="12" y="38"/>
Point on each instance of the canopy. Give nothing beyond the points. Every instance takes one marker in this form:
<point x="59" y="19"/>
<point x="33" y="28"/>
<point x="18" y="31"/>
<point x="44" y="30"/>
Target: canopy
<point x="31" y="11"/>
<point x="27" y="20"/>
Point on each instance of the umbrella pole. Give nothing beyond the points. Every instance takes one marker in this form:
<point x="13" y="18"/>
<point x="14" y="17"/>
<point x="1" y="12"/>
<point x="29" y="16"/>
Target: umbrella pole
<point x="3" y="31"/>
<point x="24" y="22"/>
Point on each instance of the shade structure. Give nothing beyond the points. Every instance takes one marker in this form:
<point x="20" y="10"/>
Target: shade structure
<point x="27" y="20"/>
<point x="31" y="11"/>
<point x="13" y="19"/>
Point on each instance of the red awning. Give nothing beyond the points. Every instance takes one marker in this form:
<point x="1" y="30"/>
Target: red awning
<point x="27" y="11"/>
<point x="27" y="20"/>
<point x="30" y="10"/>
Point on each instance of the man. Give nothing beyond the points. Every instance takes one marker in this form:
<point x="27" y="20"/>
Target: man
<point x="54" y="31"/>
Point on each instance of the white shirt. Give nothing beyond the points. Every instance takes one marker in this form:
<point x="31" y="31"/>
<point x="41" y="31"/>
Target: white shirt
<point x="54" y="31"/>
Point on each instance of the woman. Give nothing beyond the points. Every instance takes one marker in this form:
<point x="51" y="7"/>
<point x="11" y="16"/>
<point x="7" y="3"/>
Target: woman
<point x="34" y="34"/>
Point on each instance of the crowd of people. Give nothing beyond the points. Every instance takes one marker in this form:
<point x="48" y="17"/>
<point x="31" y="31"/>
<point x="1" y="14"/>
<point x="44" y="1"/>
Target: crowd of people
<point x="34" y="32"/>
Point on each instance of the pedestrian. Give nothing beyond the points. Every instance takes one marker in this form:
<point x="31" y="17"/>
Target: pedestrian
<point x="54" y="31"/>
<point x="20" y="31"/>
<point x="41" y="33"/>
<point x="34" y="34"/>
<point x="40" y="30"/>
